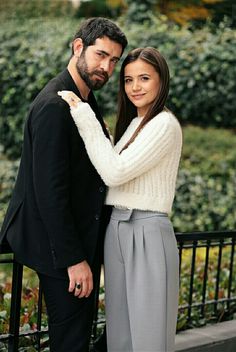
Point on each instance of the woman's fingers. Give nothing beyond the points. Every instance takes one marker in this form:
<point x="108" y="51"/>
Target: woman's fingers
<point x="71" y="98"/>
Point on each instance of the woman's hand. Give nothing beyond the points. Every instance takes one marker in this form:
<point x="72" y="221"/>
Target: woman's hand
<point x="78" y="109"/>
<point x="70" y="97"/>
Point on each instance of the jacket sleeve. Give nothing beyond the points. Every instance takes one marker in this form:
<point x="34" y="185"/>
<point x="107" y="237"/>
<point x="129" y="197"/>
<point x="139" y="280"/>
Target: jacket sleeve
<point x="154" y="141"/>
<point x="50" y="129"/>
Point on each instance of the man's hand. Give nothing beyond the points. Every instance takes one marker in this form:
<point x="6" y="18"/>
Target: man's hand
<point x="80" y="274"/>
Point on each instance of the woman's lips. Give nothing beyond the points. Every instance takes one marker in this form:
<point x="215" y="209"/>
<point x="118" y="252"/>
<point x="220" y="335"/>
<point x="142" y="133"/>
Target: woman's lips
<point x="137" y="96"/>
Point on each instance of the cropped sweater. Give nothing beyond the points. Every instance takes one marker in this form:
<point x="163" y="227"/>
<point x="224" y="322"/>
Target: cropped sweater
<point x="143" y="176"/>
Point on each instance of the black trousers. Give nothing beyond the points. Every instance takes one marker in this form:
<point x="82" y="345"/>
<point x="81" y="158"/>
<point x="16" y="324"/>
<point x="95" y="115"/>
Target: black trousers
<point x="69" y="318"/>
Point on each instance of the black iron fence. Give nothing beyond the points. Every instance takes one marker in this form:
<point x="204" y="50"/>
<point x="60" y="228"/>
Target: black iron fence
<point x="11" y="341"/>
<point x="207" y="278"/>
<point x="207" y="289"/>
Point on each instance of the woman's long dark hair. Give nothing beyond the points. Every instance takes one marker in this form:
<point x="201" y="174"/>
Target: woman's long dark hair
<point x="126" y="110"/>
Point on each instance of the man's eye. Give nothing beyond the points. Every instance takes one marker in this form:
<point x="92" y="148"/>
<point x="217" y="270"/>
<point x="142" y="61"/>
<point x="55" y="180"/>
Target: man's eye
<point x="100" y="54"/>
<point x="114" y="61"/>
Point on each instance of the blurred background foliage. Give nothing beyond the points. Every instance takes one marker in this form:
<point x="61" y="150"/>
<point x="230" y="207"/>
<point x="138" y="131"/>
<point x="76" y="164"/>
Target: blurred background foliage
<point x="193" y="12"/>
<point x="197" y="38"/>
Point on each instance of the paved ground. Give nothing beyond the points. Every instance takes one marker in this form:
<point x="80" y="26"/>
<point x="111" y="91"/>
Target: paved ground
<point x="220" y="337"/>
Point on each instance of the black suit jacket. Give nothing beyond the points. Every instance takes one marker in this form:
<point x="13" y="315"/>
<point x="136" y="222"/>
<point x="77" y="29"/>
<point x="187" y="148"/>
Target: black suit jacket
<point x="54" y="215"/>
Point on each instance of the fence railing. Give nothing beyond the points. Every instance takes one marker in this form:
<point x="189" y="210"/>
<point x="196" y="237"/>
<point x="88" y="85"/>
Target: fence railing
<point x="207" y="277"/>
<point x="207" y="287"/>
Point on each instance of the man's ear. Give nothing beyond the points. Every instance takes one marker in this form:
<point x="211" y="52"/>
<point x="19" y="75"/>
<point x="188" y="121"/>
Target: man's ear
<point x="77" y="47"/>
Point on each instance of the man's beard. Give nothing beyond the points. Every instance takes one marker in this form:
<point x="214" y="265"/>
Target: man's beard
<point x="92" y="83"/>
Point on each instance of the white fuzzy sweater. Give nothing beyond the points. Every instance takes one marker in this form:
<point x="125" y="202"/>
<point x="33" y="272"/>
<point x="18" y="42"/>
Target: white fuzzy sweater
<point x="144" y="175"/>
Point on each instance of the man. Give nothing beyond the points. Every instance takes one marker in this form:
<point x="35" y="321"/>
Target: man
<point x="52" y="223"/>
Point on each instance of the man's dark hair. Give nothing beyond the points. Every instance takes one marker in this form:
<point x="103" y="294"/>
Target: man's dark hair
<point x="99" y="27"/>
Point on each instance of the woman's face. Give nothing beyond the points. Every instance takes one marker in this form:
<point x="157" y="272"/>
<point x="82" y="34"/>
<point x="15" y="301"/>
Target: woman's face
<point x="142" y="84"/>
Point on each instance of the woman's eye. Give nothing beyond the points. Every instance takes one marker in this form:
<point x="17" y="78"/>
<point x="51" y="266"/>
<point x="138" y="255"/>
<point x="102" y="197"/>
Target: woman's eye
<point x="145" y="78"/>
<point x="127" y="80"/>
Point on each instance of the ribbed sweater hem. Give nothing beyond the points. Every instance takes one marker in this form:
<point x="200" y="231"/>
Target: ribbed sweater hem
<point x="138" y="201"/>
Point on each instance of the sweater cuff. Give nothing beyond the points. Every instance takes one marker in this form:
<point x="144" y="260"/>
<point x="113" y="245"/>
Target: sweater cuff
<point x="82" y="113"/>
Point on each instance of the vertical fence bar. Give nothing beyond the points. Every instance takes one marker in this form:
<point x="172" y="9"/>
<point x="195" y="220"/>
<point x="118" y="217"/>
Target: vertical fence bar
<point x="192" y="280"/>
<point x="218" y="276"/>
<point x="15" y="307"/>
<point x="96" y="303"/>
<point x="39" y="317"/>
<point x="205" y="278"/>
<point x="231" y="268"/>
<point x="180" y="261"/>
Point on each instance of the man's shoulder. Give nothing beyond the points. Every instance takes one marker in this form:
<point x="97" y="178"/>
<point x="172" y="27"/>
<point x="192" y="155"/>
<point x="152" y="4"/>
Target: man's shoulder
<point x="49" y="105"/>
<point x="49" y="92"/>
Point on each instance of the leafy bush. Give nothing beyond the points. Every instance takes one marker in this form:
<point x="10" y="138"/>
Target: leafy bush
<point x="25" y="9"/>
<point x="139" y="11"/>
<point x="29" y="307"/>
<point x="212" y="313"/>
<point x="205" y="195"/>
<point x="8" y="172"/>
<point x="202" y="67"/>
<point x="31" y="54"/>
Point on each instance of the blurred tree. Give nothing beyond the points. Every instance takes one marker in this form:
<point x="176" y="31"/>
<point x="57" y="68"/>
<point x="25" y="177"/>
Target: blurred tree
<point x="23" y="9"/>
<point x="94" y="8"/>
<point x="222" y="8"/>
<point x="117" y="7"/>
<point x="183" y="12"/>
<point x="139" y="11"/>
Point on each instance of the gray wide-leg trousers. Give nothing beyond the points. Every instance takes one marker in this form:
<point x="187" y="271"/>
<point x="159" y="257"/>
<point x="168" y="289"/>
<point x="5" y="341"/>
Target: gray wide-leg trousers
<point x="141" y="282"/>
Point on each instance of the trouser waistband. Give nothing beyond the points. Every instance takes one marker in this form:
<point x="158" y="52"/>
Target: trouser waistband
<point x="131" y="214"/>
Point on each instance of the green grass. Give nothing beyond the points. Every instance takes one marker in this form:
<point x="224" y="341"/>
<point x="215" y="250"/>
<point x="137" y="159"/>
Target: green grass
<point x="208" y="150"/>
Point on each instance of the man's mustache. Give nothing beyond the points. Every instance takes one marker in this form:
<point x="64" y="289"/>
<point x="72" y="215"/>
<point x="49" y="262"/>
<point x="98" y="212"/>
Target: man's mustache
<point x="102" y="74"/>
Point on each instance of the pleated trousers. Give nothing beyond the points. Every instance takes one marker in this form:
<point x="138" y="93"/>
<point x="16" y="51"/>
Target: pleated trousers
<point x="141" y="282"/>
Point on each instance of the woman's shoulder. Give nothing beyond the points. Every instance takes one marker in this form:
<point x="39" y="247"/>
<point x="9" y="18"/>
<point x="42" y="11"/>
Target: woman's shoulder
<point x="166" y="118"/>
<point x="165" y="123"/>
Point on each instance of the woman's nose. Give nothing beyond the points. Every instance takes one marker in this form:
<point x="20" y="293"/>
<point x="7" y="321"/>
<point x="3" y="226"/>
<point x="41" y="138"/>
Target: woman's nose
<point x="136" y="85"/>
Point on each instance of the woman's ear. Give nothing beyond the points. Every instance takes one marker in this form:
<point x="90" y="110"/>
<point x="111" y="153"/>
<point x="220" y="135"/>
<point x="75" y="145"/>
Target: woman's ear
<point x="77" y="47"/>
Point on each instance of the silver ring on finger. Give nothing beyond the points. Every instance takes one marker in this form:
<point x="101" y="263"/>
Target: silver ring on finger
<point x="78" y="286"/>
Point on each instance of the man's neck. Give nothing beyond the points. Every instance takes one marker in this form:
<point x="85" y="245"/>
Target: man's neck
<point x="82" y="87"/>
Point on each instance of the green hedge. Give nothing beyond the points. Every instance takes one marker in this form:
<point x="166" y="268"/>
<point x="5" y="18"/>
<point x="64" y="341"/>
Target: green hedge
<point x="31" y="54"/>
<point x="8" y="171"/>
<point x="203" y="70"/>
<point x="202" y="67"/>
<point x="205" y="196"/>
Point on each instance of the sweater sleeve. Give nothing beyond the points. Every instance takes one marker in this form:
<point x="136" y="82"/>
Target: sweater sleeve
<point x="153" y="142"/>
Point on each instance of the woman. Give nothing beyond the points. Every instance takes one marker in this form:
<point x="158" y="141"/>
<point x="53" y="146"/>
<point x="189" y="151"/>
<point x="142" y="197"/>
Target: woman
<point x="141" y="256"/>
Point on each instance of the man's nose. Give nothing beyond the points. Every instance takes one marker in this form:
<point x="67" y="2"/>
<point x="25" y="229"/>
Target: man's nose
<point x="105" y="65"/>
